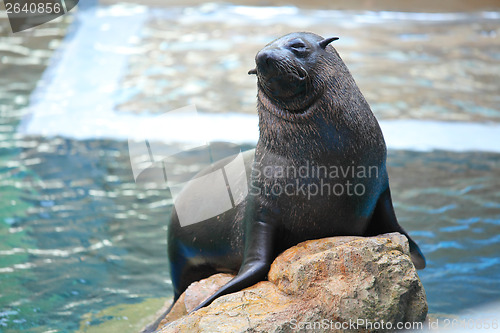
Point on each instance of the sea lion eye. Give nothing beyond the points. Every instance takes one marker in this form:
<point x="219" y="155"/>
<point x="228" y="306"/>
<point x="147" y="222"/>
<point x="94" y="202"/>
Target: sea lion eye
<point x="298" y="46"/>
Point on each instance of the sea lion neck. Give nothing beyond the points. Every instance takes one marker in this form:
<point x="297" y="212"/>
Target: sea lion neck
<point x="298" y="109"/>
<point x="310" y="137"/>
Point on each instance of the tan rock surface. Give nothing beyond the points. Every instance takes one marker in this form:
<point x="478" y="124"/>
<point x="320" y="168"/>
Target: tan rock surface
<point x="327" y="282"/>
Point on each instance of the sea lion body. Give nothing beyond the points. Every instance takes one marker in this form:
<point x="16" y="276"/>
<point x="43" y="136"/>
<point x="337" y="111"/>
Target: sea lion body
<point x="319" y="170"/>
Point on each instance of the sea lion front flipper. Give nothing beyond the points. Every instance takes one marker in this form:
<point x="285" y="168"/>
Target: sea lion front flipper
<point x="259" y="254"/>
<point x="384" y="220"/>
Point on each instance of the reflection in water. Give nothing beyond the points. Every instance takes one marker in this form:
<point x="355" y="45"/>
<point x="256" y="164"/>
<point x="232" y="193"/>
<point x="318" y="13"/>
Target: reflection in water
<point x="78" y="235"/>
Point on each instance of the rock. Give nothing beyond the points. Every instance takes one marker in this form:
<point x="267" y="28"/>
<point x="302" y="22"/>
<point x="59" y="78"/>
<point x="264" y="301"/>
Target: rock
<point x="331" y="284"/>
<point x="194" y="295"/>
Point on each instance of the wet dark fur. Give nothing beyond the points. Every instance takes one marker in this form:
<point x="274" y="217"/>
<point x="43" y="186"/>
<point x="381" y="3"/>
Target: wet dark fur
<point x="310" y="111"/>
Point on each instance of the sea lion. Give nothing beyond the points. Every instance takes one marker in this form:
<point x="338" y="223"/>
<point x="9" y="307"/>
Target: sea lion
<point x="318" y="170"/>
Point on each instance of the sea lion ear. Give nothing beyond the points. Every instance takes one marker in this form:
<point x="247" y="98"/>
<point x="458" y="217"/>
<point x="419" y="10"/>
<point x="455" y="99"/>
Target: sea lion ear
<point x="326" y="41"/>
<point x="252" y="71"/>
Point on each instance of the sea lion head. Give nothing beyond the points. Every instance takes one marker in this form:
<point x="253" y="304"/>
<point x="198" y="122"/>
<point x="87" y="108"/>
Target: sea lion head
<point x="289" y="71"/>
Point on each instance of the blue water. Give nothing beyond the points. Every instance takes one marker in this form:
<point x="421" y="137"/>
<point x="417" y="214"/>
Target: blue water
<point x="78" y="235"/>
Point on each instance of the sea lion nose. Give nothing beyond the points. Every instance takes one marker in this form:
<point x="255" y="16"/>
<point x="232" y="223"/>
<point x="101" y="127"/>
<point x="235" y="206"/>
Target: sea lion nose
<point x="264" y="59"/>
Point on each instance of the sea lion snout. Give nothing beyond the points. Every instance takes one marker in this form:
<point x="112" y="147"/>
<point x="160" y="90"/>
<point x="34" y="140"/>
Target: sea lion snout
<point x="279" y="75"/>
<point x="274" y="61"/>
<point x="266" y="60"/>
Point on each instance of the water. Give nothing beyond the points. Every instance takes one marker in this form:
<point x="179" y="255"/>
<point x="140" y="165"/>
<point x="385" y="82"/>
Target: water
<point x="83" y="246"/>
